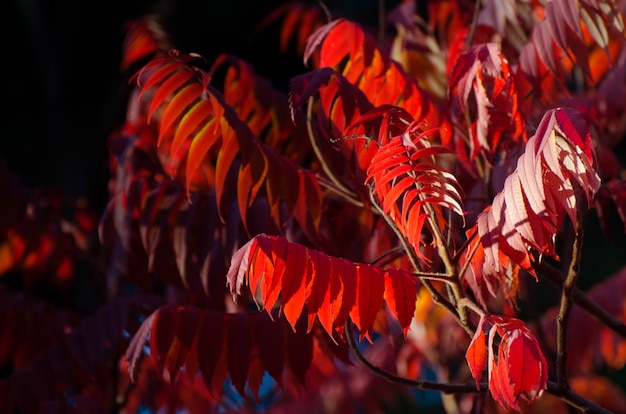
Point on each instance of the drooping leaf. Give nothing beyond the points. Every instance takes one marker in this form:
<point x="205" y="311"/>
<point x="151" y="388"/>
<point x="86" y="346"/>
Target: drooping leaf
<point x="203" y="138"/>
<point x="350" y="289"/>
<point x="482" y="91"/>
<point x="239" y="340"/>
<point x="345" y="47"/>
<point x="300" y="20"/>
<point x="476" y="354"/>
<point x="517" y="367"/>
<point x="527" y="213"/>
<point x="59" y="357"/>
<point x="567" y="35"/>
<point x="263" y="108"/>
<point x="241" y="346"/>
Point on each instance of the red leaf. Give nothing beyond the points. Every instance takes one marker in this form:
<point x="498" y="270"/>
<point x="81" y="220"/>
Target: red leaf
<point x="222" y="139"/>
<point x="344" y="288"/>
<point x="482" y="92"/>
<point x="341" y="308"/>
<point x="527" y="213"/>
<point x="519" y="370"/>
<point x="269" y="337"/>
<point x="209" y="344"/>
<point x="317" y="37"/>
<point x="318" y="284"/>
<point x="299" y="349"/>
<point x="327" y="312"/>
<point x="405" y="179"/>
<point x="369" y="299"/>
<point x="186" y="327"/>
<point x="163" y="331"/>
<point x="400" y="295"/>
<point x="476" y="354"/>
<point x="239" y="344"/>
<point x="527" y="366"/>
<point x="293" y="286"/>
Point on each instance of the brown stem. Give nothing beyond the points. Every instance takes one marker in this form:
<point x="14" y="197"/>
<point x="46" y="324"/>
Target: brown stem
<point x="339" y="187"/>
<point x="419" y="384"/>
<point x="388" y="256"/>
<point x="566" y="305"/>
<point x="554" y="276"/>
<point x="575" y="400"/>
<point x="437" y="297"/>
<point x="329" y="17"/>
<point x="349" y="197"/>
<point x="442" y="277"/>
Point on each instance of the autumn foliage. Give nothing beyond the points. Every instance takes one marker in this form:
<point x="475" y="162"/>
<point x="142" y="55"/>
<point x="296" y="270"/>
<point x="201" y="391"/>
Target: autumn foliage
<point x="406" y="213"/>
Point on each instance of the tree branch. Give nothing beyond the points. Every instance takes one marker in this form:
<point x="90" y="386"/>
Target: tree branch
<point x="566" y="303"/>
<point x="575" y="400"/>
<point x="554" y="276"/>
<point x="438" y="298"/>
<point x="419" y="384"/>
<point x="340" y="187"/>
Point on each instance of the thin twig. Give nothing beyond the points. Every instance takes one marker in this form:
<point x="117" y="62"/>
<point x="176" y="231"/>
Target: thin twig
<point x="470" y="36"/>
<point x="329" y="17"/>
<point x="554" y="276"/>
<point x="469" y="257"/>
<point x="442" y="277"/>
<point x="450" y="266"/>
<point x="437" y="297"/>
<point x="566" y="302"/>
<point x="419" y="384"/>
<point x="389" y="256"/>
<point x="470" y="304"/>
<point x="330" y="186"/>
<point x="318" y="153"/>
<point x="575" y="400"/>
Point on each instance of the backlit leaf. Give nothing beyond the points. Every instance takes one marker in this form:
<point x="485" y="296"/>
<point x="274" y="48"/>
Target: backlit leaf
<point x="350" y="289"/>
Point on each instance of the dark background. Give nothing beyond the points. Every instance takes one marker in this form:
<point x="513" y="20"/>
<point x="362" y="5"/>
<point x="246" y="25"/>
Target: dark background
<point x="62" y="89"/>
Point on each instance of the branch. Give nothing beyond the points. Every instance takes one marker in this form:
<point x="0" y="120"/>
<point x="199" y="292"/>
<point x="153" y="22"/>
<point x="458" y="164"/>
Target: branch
<point x="340" y="187"/>
<point x="553" y="275"/>
<point x="575" y="400"/>
<point x="419" y="384"/>
<point x="566" y="303"/>
<point x="442" y="277"/>
<point x="450" y="266"/>
<point x="437" y="297"/>
<point x="470" y="36"/>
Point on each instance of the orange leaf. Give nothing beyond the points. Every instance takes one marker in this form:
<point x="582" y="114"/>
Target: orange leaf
<point x="332" y="287"/>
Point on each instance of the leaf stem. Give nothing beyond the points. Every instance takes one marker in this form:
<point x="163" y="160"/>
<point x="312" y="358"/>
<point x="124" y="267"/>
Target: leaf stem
<point x="389" y="256"/>
<point x="470" y="36"/>
<point x="349" y="197"/>
<point x="450" y="266"/>
<point x="465" y="302"/>
<point x="445" y="388"/>
<point x="442" y="277"/>
<point x="469" y="257"/>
